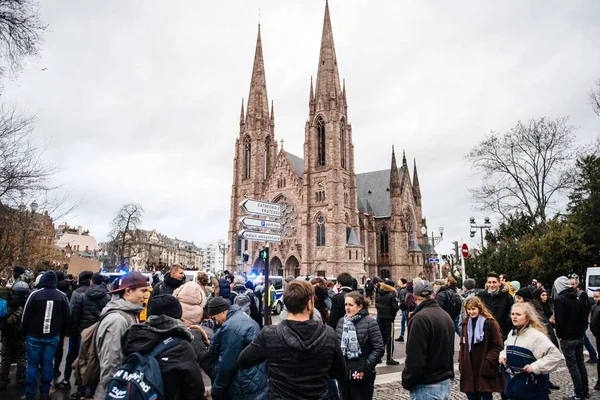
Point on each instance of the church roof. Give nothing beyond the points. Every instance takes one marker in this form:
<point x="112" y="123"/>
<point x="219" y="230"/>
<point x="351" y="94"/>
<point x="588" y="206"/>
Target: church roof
<point x="373" y="188"/>
<point x="297" y="163"/>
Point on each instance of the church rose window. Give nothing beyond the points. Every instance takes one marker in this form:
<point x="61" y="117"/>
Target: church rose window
<point x="247" y="154"/>
<point x="320" y="141"/>
<point x="320" y="231"/>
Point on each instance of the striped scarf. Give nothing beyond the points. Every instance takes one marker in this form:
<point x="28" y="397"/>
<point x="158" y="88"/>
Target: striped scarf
<point x="350" y="345"/>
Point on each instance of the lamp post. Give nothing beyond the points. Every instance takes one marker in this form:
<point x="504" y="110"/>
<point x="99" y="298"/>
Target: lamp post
<point x="486" y="225"/>
<point x="433" y="241"/>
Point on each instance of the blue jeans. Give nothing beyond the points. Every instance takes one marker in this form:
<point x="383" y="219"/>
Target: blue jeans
<point x="479" y="396"/>
<point x="456" y="328"/>
<point x="40" y="351"/>
<point x="588" y="344"/>
<point x="74" y="343"/>
<point x="434" y="391"/>
<point x="403" y="322"/>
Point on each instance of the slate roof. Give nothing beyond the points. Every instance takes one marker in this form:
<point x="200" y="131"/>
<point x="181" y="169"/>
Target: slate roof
<point x="297" y="163"/>
<point x="372" y="190"/>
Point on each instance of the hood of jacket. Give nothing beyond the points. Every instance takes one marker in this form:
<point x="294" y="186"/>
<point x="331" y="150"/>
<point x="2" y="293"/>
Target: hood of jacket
<point x="96" y="292"/>
<point x="17" y="300"/>
<point x="172" y="282"/>
<point x="144" y="337"/>
<point x="386" y="288"/>
<point x="119" y="303"/>
<point x="560" y="285"/>
<point x="190" y="293"/>
<point x="48" y="280"/>
<point x="239" y="288"/>
<point x="311" y="346"/>
<point x="501" y="289"/>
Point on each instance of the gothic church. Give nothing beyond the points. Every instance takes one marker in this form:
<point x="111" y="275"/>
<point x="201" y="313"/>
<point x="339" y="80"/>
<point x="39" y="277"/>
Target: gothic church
<point x="337" y="221"/>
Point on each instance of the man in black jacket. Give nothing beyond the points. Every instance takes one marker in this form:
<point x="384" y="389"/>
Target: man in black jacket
<point x="45" y="319"/>
<point x="181" y="374"/>
<point x="174" y="279"/>
<point x="387" y="308"/>
<point x="76" y="303"/>
<point x="429" y="364"/>
<point x="498" y="301"/>
<point x="570" y="314"/>
<point x="344" y="283"/>
<point x="301" y="353"/>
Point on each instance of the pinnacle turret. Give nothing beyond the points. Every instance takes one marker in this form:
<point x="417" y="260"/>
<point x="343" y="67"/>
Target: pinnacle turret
<point x="394" y="177"/>
<point x="416" y="186"/>
<point x="242" y="116"/>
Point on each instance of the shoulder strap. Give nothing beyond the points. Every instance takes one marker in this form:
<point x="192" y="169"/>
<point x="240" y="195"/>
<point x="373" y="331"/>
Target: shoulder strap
<point x="162" y="346"/>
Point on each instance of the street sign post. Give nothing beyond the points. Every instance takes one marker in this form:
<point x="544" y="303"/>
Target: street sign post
<point x="256" y="207"/>
<point x="248" y="222"/>
<point x="260" y="236"/>
<point x="464" y="249"/>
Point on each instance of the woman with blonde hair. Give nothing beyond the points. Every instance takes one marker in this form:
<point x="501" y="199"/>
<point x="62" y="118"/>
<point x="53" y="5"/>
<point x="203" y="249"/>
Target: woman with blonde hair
<point x="480" y="345"/>
<point x="528" y="355"/>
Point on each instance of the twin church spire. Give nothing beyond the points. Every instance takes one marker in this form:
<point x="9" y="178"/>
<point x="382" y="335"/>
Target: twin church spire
<point x="258" y="102"/>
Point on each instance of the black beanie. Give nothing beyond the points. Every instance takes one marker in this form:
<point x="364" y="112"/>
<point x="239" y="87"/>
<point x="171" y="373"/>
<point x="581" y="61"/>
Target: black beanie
<point x="165" y="304"/>
<point x="85" y="277"/>
<point x="217" y="305"/>
<point x="18" y="270"/>
<point x="525" y="293"/>
<point x="469" y="284"/>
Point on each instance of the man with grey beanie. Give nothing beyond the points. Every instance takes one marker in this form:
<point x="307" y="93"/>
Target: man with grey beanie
<point x="429" y="364"/>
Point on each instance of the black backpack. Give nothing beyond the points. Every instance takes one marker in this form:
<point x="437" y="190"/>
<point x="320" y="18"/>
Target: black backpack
<point x="139" y="377"/>
<point x="455" y="302"/>
<point x="402" y="299"/>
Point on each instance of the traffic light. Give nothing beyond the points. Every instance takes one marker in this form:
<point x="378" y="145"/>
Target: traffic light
<point x="264" y="253"/>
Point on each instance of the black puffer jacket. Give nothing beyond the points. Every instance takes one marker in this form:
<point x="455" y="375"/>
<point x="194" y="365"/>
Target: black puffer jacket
<point x="200" y="343"/>
<point x="499" y="304"/>
<point x="301" y="357"/>
<point x="167" y="286"/>
<point x="387" y="302"/>
<point x="224" y="288"/>
<point x="444" y="298"/>
<point x="369" y="339"/>
<point x="77" y="299"/>
<point x="96" y="297"/>
<point x="570" y="314"/>
<point x="181" y="374"/>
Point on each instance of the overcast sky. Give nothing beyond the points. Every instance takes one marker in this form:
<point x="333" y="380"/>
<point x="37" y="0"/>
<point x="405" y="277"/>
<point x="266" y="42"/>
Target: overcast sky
<point x="139" y="101"/>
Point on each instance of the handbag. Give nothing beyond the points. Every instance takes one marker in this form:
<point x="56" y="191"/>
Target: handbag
<point x="356" y="369"/>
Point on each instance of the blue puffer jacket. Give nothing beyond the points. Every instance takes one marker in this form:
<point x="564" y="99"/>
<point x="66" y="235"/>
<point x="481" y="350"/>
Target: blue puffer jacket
<point x="224" y="289"/>
<point x="228" y="342"/>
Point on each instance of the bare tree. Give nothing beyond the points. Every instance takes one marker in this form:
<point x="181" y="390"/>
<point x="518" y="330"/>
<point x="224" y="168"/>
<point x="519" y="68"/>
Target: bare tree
<point x="595" y="97"/>
<point x="123" y="233"/>
<point x="526" y="168"/>
<point x="21" y="30"/>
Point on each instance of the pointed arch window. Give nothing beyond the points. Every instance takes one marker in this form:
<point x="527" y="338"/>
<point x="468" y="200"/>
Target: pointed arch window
<point x="267" y="156"/>
<point x="384" y="241"/>
<point x="320" y="231"/>
<point x="247" y="154"/>
<point x="343" y="143"/>
<point x="320" y="141"/>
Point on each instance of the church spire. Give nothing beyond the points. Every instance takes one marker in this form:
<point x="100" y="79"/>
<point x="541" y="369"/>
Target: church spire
<point x="311" y="100"/>
<point x="258" y="102"/>
<point x="404" y="164"/>
<point x="328" y="79"/>
<point x="394" y="177"/>
<point x="242" y="116"/>
<point x="416" y="186"/>
<point x="272" y="118"/>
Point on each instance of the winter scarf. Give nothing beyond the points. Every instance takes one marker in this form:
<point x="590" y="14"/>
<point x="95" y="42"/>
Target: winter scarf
<point x="477" y="336"/>
<point x="350" y="346"/>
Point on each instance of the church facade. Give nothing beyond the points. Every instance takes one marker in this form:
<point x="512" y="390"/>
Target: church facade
<point x="336" y="220"/>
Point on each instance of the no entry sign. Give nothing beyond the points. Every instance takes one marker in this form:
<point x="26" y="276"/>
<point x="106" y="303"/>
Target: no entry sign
<point x="464" y="249"/>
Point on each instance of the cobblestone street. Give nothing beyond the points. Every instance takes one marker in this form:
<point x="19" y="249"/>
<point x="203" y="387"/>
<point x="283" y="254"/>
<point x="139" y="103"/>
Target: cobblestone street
<point x="395" y="391"/>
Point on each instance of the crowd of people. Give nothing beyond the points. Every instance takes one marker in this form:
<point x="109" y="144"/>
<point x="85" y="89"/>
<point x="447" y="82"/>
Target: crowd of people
<point x="162" y="337"/>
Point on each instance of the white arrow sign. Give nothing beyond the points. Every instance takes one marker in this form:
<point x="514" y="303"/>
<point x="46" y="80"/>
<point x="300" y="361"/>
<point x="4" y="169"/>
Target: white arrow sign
<point x="259" y="223"/>
<point x="260" y="236"/>
<point x="256" y="207"/>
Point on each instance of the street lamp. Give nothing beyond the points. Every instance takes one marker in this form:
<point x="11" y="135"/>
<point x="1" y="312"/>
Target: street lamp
<point x="433" y="240"/>
<point x="486" y="225"/>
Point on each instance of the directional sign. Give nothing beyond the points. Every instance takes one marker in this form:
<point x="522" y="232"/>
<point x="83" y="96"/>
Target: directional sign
<point x="434" y="260"/>
<point x="260" y="236"/>
<point x="259" y="223"/>
<point x="257" y="207"/>
<point x="464" y="250"/>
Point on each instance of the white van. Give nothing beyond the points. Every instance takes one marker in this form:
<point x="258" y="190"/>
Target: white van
<point x="592" y="280"/>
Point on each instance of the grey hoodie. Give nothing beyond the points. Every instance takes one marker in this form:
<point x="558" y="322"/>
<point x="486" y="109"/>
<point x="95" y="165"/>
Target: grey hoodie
<point x="108" y="342"/>
<point x="560" y="284"/>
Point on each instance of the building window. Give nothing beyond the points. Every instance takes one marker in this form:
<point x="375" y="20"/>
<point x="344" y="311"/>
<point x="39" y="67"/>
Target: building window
<point x="349" y="254"/>
<point x="383" y="241"/>
<point x="247" y="154"/>
<point x="267" y="155"/>
<point x="356" y="255"/>
<point x="320" y="231"/>
<point x="320" y="141"/>
<point x="343" y="143"/>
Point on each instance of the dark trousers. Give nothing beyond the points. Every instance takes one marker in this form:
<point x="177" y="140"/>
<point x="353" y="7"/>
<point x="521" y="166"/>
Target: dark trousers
<point x="362" y="390"/>
<point x="74" y="343"/>
<point x="13" y="350"/>
<point x="573" y="352"/>
<point x="479" y="396"/>
<point x="588" y="344"/>
<point x="387" y="332"/>
<point x="59" y="355"/>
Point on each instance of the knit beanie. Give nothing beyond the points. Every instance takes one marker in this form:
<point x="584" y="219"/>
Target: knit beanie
<point x="217" y="305"/>
<point x="516" y="285"/>
<point x="165" y="304"/>
<point x="525" y="293"/>
<point x="469" y="284"/>
<point x="85" y="277"/>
